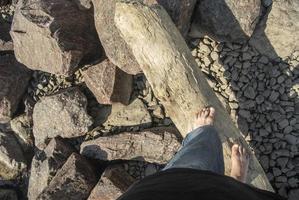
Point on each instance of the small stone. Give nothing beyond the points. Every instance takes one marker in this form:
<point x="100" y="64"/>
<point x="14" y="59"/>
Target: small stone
<point x="291" y="139"/>
<point x="264" y="160"/>
<point x="293" y="194"/>
<point x="283" y="123"/>
<point x="280" y="79"/>
<point x="249" y="92"/>
<point x="246" y="56"/>
<point x="282" y="162"/>
<point x="214" y="55"/>
<point x="260" y="99"/>
<point x="244" y="113"/>
<point x="264" y="60"/>
<point x="273" y="97"/>
<point x="263" y="133"/>
<point x="276" y="172"/>
<point x="293" y="182"/>
<point x="281" y="179"/>
<point x="288" y="130"/>
<point x="246" y="65"/>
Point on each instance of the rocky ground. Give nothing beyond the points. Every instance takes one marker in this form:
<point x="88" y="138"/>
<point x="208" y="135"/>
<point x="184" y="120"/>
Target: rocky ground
<point x="95" y="111"/>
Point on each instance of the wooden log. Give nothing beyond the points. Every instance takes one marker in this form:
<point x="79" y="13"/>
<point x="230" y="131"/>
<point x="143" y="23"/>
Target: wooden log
<point x="175" y="77"/>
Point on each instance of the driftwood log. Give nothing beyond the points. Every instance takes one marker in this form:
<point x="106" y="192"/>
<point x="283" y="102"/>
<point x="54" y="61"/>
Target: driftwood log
<point x="175" y="77"/>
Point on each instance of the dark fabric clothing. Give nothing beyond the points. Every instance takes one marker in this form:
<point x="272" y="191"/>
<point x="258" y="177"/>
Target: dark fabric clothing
<point x="192" y="184"/>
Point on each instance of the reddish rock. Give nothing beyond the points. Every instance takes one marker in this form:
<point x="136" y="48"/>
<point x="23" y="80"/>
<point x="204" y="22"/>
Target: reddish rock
<point x="113" y="183"/>
<point x="154" y="145"/>
<point x="74" y="180"/>
<point x="108" y="83"/>
<point x="45" y="165"/>
<point x="55" y="36"/>
<point x="14" y="78"/>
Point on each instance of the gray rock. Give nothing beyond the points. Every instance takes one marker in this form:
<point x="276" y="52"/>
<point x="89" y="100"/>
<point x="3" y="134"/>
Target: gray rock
<point x="283" y="123"/>
<point x="108" y="83"/>
<point x="64" y="28"/>
<point x="14" y="78"/>
<point x="74" y="180"/>
<point x="249" y="92"/>
<point x="264" y="160"/>
<point x="260" y="99"/>
<point x="132" y="115"/>
<point x="291" y="139"/>
<point x="276" y="172"/>
<point x="282" y="162"/>
<point x="276" y="35"/>
<point x="12" y="161"/>
<point x="62" y="114"/>
<point x="45" y="165"/>
<point x="244" y="113"/>
<point x="232" y="20"/>
<point x="288" y="130"/>
<point x="273" y="96"/>
<point x="264" y="60"/>
<point x="156" y="145"/>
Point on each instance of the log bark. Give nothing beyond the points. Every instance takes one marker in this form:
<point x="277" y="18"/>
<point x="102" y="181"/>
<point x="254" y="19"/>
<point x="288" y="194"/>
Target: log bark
<point x="175" y="77"/>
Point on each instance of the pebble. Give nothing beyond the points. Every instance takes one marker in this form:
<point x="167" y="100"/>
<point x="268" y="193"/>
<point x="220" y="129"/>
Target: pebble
<point x="249" y="92"/>
<point x="282" y="162"/>
<point x="283" y="123"/>
<point x="288" y="130"/>
<point x="264" y="60"/>
<point x="291" y="139"/>
<point x="244" y="113"/>
<point x="280" y="79"/>
<point x="260" y="99"/>
<point x="274" y="96"/>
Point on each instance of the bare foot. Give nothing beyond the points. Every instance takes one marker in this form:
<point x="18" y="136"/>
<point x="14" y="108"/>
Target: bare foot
<point x="204" y="117"/>
<point x="240" y="161"/>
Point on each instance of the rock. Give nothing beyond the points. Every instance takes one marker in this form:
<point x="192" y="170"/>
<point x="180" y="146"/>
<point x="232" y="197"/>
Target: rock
<point x="45" y="165"/>
<point x="276" y="172"/>
<point x="276" y="35"/>
<point x="180" y="12"/>
<point x="12" y="161"/>
<point x="5" y="39"/>
<point x="108" y="83"/>
<point x="282" y="162"/>
<point x="260" y="99"/>
<point x="293" y="194"/>
<point x="274" y="96"/>
<point x="249" y="92"/>
<point x="8" y="194"/>
<point x="14" y="78"/>
<point x="264" y="60"/>
<point x="22" y="128"/>
<point x="131" y="115"/>
<point x="154" y="145"/>
<point x="244" y="113"/>
<point x="288" y="130"/>
<point x="62" y="114"/>
<point x="232" y="21"/>
<point x="283" y="123"/>
<point x="64" y="28"/>
<point x="264" y="160"/>
<point x="115" y="47"/>
<point x="74" y="180"/>
<point x="291" y="139"/>
<point x="113" y="183"/>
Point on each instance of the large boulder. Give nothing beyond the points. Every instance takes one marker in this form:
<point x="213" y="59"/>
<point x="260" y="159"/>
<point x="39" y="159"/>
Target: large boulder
<point x="133" y="114"/>
<point x="108" y="83"/>
<point x="14" y="78"/>
<point x="12" y="161"/>
<point x="155" y="145"/>
<point x="45" y="165"/>
<point x="113" y="183"/>
<point x="226" y="20"/>
<point x="54" y="35"/>
<point x="62" y="114"/>
<point x="115" y="47"/>
<point x="74" y="180"/>
<point x="277" y="34"/>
